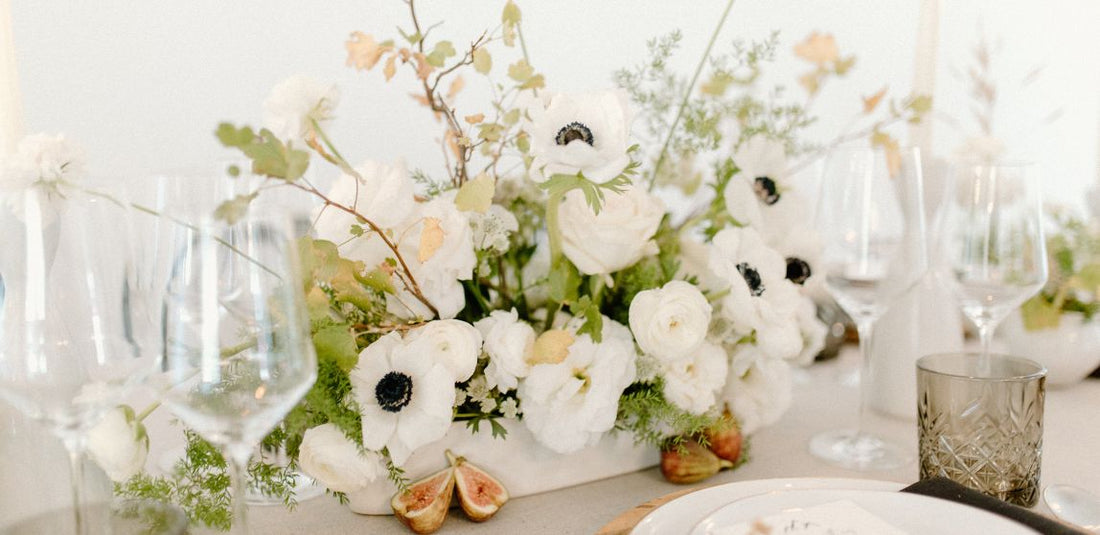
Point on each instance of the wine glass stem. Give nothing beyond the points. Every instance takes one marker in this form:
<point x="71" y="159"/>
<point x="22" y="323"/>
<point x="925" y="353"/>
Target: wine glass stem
<point x="865" y="327"/>
<point x="237" y="474"/>
<point x="985" y="334"/>
<point x="74" y="444"/>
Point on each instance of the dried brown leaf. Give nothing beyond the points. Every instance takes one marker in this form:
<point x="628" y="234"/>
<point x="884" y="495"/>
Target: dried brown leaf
<point x="871" y="102"/>
<point x="818" y="48"/>
<point x="391" y="67"/>
<point x="474" y="119"/>
<point x="456" y="85"/>
<point x="363" y="51"/>
<point x="431" y="238"/>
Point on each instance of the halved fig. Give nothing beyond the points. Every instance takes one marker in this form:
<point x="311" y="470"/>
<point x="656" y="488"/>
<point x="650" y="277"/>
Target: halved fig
<point x="479" y="493"/>
<point x="423" y="508"/>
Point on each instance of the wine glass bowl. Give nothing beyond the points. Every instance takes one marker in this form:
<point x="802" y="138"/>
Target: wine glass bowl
<point x="871" y="221"/>
<point x="994" y="247"/>
<point x="71" y="344"/>
<point x="238" y="355"/>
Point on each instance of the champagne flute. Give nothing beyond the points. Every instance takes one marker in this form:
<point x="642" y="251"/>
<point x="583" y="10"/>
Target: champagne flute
<point x="871" y="221"/>
<point x="70" y="336"/>
<point x="993" y="241"/>
<point x="238" y="355"/>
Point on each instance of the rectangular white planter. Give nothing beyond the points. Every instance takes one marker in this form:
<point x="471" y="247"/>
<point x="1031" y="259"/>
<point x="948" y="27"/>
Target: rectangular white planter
<point x="519" y="462"/>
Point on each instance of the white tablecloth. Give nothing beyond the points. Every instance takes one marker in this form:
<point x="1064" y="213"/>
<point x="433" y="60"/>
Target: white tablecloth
<point x="1071" y="455"/>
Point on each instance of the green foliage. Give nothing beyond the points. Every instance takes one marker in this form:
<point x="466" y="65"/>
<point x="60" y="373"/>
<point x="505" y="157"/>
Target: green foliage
<point x="1073" y="285"/>
<point x="270" y="157"/>
<point x="651" y="419"/>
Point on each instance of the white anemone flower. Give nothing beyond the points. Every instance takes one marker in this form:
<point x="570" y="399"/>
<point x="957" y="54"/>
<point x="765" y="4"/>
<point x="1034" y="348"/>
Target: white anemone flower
<point x="692" y="383"/>
<point x="295" y="104"/>
<point x="405" y="399"/>
<point x="584" y="133"/>
<point x="509" y="343"/>
<point x="119" y="444"/>
<point x="813" y="332"/>
<point x="758" y="389"/>
<point x="453" y="343"/>
<point x="757" y="186"/>
<point x="760" y="297"/>
<point x="570" y="404"/>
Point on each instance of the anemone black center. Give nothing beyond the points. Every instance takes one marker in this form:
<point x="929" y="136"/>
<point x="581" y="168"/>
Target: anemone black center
<point x="394" y="391"/>
<point x="752" y="278"/>
<point x="765" y="190"/>
<point x="572" y="132"/>
<point x="798" y="270"/>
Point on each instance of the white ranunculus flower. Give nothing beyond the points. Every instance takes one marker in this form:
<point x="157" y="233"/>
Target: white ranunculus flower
<point x="50" y="163"/>
<point x="760" y="298"/>
<point x="385" y="196"/>
<point x="617" y="238"/>
<point x="405" y="399"/>
<point x="295" y="103"/>
<point x="336" y="462"/>
<point x="670" y="322"/>
<point x="758" y="389"/>
<point x="509" y="343"/>
<point x="571" y="404"/>
<point x="692" y="383"/>
<point x="585" y="133"/>
<point x="453" y="343"/>
<point x="119" y="444"/>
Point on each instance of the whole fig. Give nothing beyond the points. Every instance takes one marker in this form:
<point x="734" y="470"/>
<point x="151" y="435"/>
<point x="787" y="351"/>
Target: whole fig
<point x="690" y="463"/>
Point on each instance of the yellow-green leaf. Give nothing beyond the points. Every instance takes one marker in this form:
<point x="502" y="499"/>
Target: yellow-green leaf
<point x="336" y="343"/>
<point x="483" y="62"/>
<point x="512" y="117"/>
<point x="1088" y="278"/>
<point x="535" y="82"/>
<point x="1038" y="314"/>
<point x="476" y="195"/>
<point x="520" y="71"/>
<point x="511" y="14"/>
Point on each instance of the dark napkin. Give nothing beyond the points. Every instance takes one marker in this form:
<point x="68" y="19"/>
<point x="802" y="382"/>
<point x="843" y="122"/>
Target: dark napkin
<point x="941" y="487"/>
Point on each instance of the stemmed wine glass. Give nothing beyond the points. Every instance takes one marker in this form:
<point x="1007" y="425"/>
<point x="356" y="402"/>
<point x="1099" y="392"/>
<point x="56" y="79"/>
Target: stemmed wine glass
<point x="871" y="220"/>
<point x="70" y="327"/>
<point x="993" y="241"/>
<point x="238" y="355"/>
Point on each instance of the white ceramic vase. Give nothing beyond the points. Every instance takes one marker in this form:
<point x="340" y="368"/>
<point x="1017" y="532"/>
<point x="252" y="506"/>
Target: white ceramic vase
<point x="1070" y="352"/>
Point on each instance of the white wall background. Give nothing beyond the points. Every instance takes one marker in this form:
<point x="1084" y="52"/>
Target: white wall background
<point x="143" y="84"/>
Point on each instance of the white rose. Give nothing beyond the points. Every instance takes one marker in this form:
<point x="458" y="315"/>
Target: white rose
<point x="295" y="103"/>
<point x="119" y="444"/>
<point x="509" y="343"/>
<point x="692" y="383"/>
<point x="616" y="238"/>
<point x="670" y="322"/>
<point x="329" y="457"/>
<point x="586" y="133"/>
<point x="453" y="343"/>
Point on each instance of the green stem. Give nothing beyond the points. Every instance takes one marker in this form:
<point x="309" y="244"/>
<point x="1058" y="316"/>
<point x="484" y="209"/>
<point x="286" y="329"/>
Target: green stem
<point x="553" y="230"/>
<point x="148" y="410"/>
<point x="687" y="94"/>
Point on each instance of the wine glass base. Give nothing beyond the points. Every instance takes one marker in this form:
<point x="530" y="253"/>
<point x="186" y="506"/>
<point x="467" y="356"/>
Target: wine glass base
<point x="850" y="449"/>
<point x="305" y="488"/>
<point x="129" y="517"/>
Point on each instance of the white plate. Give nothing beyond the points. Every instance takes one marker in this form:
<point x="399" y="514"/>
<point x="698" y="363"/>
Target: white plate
<point x="678" y="516"/>
<point x="912" y="513"/>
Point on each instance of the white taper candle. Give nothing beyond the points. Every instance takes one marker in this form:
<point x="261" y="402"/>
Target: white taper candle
<point x="11" y="106"/>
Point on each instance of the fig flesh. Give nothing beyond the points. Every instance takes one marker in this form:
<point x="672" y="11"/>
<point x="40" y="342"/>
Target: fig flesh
<point x="423" y="507"/>
<point x="479" y="493"/>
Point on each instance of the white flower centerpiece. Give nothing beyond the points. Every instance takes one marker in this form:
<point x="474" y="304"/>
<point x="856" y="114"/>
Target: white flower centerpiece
<point x="538" y="292"/>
